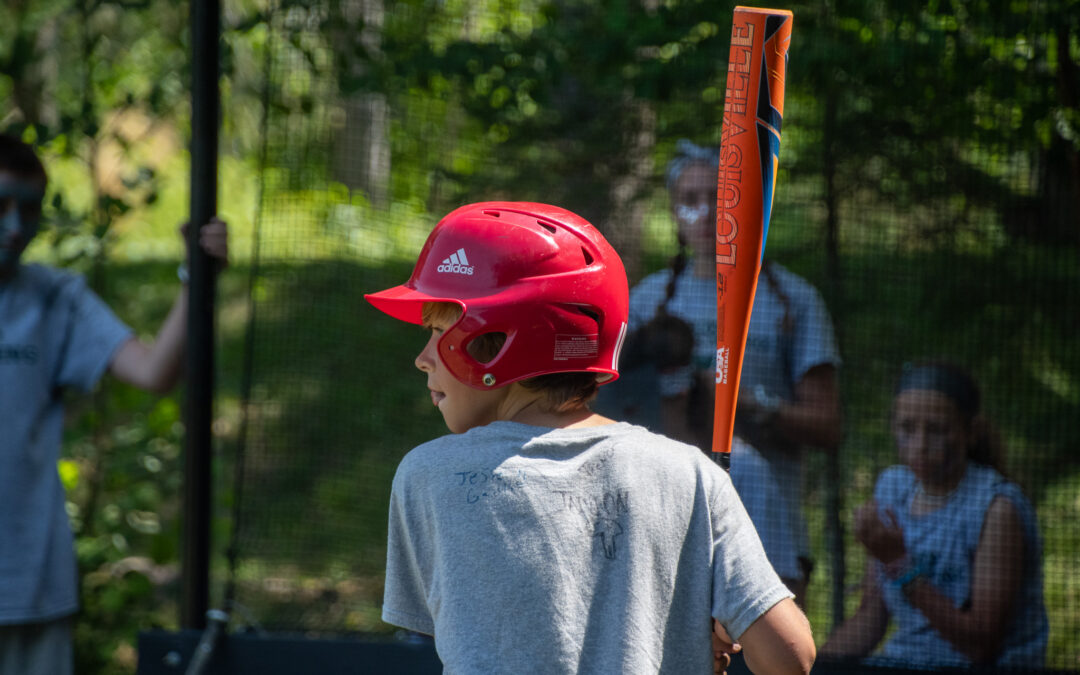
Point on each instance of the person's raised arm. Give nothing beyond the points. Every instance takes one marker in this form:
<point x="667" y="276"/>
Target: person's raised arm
<point x="814" y="417"/>
<point x="156" y="366"/>
<point x="977" y="630"/>
<point x="779" y="642"/>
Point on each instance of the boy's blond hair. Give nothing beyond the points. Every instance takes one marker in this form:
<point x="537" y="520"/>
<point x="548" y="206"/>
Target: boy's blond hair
<point x="562" y="391"/>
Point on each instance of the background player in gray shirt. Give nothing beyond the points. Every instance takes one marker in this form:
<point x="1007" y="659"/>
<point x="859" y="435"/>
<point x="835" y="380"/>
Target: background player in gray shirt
<point x="539" y="536"/>
<point x="55" y="334"/>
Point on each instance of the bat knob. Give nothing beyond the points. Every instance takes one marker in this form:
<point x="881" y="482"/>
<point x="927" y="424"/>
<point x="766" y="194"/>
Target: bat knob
<point x="723" y="459"/>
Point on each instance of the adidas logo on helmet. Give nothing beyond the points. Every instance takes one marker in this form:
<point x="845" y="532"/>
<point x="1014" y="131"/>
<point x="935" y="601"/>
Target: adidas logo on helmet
<point x="457" y="263"/>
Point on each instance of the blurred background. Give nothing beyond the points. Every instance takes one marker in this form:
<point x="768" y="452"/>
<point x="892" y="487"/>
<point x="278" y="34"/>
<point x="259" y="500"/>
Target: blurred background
<point x="929" y="188"/>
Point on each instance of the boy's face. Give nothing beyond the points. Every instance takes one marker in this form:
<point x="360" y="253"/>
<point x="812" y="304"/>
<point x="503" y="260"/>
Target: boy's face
<point x="20" y="214"/>
<point x="462" y="407"/>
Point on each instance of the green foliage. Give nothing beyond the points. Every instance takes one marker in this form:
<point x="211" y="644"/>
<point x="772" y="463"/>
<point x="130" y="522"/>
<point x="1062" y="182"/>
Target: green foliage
<point x="90" y="81"/>
<point x="122" y="452"/>
<point x="939" y="106"/>
<point x="546" y="89"/>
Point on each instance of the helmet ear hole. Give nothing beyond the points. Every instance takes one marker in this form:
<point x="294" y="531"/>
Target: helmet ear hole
<point x="486" y="346"/>
<point x="589" y="312"/>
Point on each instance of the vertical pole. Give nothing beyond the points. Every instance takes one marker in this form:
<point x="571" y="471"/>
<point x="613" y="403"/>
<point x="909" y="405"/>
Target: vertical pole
<point x="199" y="363"/>
<point x="834" y="498"/>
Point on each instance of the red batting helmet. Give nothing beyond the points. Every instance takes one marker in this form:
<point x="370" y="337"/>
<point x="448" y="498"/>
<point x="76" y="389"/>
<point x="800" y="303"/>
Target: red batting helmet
<point x="538" y="273"/>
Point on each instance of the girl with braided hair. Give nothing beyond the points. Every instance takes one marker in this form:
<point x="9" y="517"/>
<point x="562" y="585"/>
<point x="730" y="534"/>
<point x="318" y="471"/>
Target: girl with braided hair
<point x="789" y="395"/>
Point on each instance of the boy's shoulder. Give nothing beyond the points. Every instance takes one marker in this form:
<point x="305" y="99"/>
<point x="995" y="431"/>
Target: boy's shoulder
<point x="450" y="449"/>
<point x="636" y="448"/>
<point x="501" y="433"/>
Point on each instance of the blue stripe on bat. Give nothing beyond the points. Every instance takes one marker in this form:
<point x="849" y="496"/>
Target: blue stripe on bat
<point x="769" y="152"/>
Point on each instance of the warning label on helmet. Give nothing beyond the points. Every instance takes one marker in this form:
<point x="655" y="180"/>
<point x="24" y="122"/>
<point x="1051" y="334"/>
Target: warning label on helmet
<point x="576" y="347"/>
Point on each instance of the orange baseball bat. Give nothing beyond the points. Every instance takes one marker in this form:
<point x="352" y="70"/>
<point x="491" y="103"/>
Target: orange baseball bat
<point x="749" y="156"/>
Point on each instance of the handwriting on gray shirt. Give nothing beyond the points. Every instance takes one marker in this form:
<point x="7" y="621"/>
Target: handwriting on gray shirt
<point x="601" y="511"/>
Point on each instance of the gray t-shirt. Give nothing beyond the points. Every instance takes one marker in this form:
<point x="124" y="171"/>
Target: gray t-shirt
<point x="55" y="333"/>
<point x="598" y="549"/>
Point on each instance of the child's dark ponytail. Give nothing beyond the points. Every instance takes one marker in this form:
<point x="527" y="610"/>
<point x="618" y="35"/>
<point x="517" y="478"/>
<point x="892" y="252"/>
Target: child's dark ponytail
<point x="986" y="446"/>
<point x="678" y="266"/>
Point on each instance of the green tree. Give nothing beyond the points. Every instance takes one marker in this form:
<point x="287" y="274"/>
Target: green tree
<point x="923" y="104"/>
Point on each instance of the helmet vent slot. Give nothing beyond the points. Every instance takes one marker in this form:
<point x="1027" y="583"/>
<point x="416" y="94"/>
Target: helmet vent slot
<point x="547" y="226"/>
<point x="493" y="214"/>
<point x="588" y="256"/>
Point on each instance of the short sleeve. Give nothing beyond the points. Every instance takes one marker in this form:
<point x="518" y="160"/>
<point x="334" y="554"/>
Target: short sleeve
<point x="745" y="585"/>
<point x="814" y="341"/>
<point x="645" y="297"/>
<point x="892" y="487"/>
<point x="90" y="334"/>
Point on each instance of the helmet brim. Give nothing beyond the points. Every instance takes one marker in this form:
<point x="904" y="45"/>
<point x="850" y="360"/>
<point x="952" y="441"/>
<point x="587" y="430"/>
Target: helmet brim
<point x="405" y="303"/>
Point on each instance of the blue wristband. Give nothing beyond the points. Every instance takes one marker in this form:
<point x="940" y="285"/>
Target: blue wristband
<point x="912" y="573"/>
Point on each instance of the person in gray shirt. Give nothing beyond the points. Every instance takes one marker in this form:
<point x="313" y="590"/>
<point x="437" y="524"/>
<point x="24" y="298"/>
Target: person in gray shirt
<point x="539" y="536"/>
<point x="55" y="334"/>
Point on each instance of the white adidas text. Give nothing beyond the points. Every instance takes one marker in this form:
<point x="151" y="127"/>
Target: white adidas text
<point x="457" y="263"/>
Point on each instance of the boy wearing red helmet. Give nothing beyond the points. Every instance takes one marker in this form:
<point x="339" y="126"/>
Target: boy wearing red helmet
<point x="539" y="536"/>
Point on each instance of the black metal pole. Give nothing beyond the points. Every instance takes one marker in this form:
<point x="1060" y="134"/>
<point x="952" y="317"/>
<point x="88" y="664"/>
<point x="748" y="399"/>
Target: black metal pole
<point x="199" y="364"/>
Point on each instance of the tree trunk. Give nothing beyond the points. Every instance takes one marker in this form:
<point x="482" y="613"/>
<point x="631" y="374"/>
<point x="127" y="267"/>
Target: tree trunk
<point x="622" y="224"/>
<point x="361" y="148"/>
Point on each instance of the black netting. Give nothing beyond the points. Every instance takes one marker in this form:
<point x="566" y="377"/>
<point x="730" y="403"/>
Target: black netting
<point x="928" y="192"/>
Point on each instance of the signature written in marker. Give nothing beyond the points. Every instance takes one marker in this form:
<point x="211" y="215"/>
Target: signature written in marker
<point x="483" y="483"/>
<point x="602" y="513"/>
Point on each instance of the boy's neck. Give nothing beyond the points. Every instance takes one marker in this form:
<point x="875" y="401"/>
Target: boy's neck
<point x="526" y="407"/>
<point x="576" y="419"/>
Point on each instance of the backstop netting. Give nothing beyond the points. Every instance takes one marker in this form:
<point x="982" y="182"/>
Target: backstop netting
<point x="926" y="208"/>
